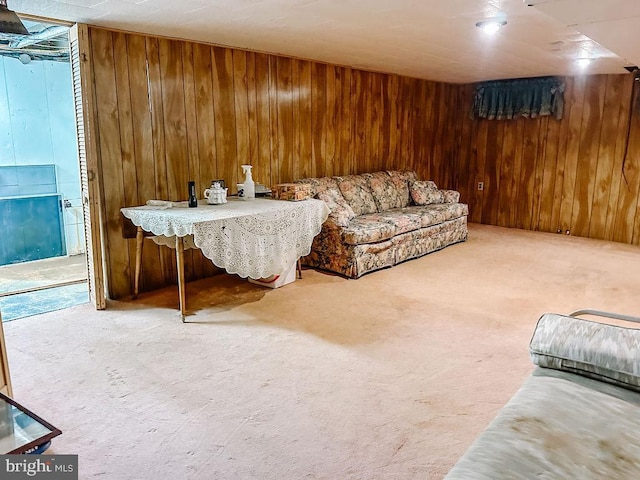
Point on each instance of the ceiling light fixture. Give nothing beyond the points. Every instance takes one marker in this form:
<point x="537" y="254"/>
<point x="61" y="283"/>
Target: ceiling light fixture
<point x="490" y="27"/>
<point x="583" y="62"/>
<point x="10" y="22"/>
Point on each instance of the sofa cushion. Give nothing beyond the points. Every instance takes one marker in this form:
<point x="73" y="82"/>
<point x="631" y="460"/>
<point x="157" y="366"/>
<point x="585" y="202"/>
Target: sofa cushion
<point x="388" y="192"/>
<point x="368" y="229"/>
<point x="451" y="196"/>
<point x="558" y="426"/>
<point x="406" y="176"/>
<point x="355" y="190"/>
<point x="437" y="213"/>
<point x="341" y="211"/>
<point x="597" y="350"/>
<point x="391" y="223"/>
<point x="403" y="221"/>
<point x="319" y="184"/>
<point x="425" y="193"/>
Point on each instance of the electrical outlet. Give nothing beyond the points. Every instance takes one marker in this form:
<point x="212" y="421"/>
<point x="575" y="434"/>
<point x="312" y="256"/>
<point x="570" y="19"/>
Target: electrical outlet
<point x="480" y="185"/>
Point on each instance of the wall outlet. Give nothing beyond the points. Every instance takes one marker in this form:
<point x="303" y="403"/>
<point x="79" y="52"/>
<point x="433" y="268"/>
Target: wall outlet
<point x="480" y="185"/>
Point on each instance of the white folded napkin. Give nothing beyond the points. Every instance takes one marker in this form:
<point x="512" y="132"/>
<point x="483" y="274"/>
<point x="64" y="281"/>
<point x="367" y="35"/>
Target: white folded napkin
<point x="160" y="203"/>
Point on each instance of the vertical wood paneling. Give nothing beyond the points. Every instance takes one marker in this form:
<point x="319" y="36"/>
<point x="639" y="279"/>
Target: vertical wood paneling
<point x="286" y="128"/>
<point x="438" y="118"/>
<point x="252" y="99"/>
<point x="548" y="163"/>
<point x="175" y="130"/>
<point x="539" y="172"/>
<point x="169" y="111"/>
<point x="374" y="112"/>
<point x="462" y="165"/>
<point x="506" y="181"/>
<point x="622" y="138"/>
<point x="347" y="129"/>
<point x="330" y="119"/>
<point x="477" y="165"/>
<point x="194" y="267"/>
<point x="558" y="175"/>
<point x="492" y="168"/>
<point x="605" y="159"/>
<point x="305" y="158"/>
<point x="154" y="82"/>
<point x="117" y="256"/>
<point x="588" y="158"/>
<point x="406" y="134"/>
<point x="123" y="94"/>
<point x="561" y="160"/>
<point x="385" y="120"/>
<point x="318" y="114"/>
<point x="241" y="108"/>
<point x="225" y="116"/>
<point x="573" y="151"/>
<point x="295" y="98"/>
<point x="263" y="113"/>
<point x="157" y="117"/>
<point x="527" y="175"/>
<point x="142" y="136"/>
<point x="626" y="218"/>
<point x="342" y="124"/>
<point x="394" y="121"/>
<point x="517" y="167"/>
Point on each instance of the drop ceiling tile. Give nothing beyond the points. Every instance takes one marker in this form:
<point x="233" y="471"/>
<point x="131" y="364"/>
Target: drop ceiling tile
<point x="575" y="12"/>
<point x="417" y="38"/>
<point x="619" y="34"/>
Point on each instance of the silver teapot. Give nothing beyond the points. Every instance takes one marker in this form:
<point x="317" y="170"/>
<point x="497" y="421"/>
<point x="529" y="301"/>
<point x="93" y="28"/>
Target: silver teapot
<point x="216" y="195"/>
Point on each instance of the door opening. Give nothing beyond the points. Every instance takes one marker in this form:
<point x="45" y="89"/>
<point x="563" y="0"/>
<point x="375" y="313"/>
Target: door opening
<point x="42" y="249"/>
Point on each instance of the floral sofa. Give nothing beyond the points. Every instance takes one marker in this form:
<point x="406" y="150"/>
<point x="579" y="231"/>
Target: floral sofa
<point x="576" y="417"/>
<point x="380" y="219"/>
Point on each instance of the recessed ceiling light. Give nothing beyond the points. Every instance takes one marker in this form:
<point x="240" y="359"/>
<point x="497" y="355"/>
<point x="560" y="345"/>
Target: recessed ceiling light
<point x="491" y="26"/>
<point x="583" y="62"/>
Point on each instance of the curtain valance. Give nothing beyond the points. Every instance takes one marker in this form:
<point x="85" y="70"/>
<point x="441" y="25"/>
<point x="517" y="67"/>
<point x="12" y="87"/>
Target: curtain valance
<point x="525" y="97"/>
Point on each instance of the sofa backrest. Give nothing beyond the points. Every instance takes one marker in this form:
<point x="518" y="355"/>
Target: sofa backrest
<point x="368" y="192"/>
<point x="390" y="189"/>
<point x="356" y="191"/>
<point x="319" y="184"/>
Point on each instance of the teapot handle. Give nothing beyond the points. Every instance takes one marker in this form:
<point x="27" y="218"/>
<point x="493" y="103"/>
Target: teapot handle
<point x="207" y="192"/>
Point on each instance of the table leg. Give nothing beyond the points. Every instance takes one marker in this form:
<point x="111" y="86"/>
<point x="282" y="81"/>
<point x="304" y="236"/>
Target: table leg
<point x="180" y="265"/>
<point x="139" y="242"/>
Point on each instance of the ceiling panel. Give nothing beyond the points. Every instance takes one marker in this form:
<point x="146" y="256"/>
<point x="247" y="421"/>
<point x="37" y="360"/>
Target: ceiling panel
<point x="577" y="12"/>
<point x="434" y="39"/>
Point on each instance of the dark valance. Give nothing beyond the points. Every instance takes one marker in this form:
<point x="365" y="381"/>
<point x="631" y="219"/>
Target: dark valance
<point x="525" y="97"/>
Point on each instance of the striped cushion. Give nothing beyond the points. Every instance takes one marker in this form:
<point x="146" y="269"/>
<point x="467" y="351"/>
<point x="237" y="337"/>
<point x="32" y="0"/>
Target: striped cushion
<point x="605" y="352"/>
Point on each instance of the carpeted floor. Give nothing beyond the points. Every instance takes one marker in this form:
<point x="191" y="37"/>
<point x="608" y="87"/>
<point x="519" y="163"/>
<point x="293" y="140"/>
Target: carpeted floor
<point x="387" y="377"/>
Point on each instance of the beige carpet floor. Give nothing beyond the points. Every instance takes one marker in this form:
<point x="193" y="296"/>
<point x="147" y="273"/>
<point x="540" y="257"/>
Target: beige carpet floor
<point x="390" y="376"/>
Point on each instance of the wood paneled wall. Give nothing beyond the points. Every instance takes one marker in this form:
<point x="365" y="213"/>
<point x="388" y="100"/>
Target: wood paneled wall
<point x="171" y="111"/>
<point x="579" y="175"/>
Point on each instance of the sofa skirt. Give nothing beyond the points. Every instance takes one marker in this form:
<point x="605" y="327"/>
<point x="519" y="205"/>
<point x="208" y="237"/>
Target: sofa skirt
<point x="353" y="261"/>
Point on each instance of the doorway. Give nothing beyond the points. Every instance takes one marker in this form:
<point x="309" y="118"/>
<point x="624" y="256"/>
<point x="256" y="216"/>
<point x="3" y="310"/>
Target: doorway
<point x="42" y="249"/>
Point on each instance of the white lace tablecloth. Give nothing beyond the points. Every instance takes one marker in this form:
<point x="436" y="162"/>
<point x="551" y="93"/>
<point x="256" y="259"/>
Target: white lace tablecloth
<point x="255" y="238"/>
